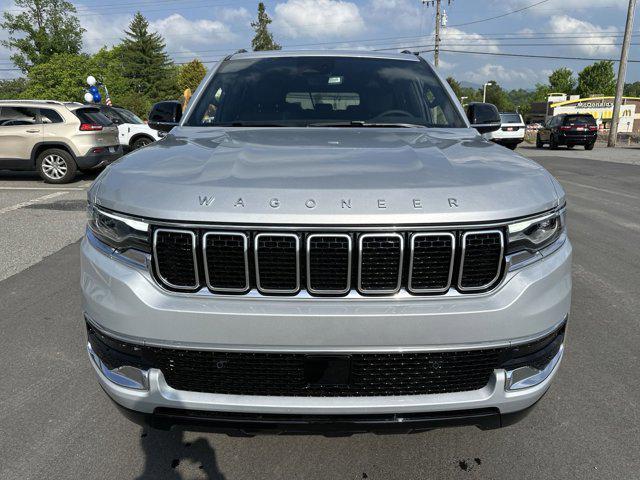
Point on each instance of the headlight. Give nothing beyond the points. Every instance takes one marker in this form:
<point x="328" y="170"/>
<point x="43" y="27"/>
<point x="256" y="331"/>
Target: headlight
<point x="119" y="232"/>
<point x="530" y="237"/>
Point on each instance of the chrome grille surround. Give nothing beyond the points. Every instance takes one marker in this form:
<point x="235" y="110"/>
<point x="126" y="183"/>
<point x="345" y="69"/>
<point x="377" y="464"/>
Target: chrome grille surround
<point x="245" y="240"/>
<point x="256" y="251"/>
<point x="380" y="291"/>
<point x="412" y="243"/>
<point x="159" y="231"/>
<point x="487" y="285"/>
<point x="309" y="269"/>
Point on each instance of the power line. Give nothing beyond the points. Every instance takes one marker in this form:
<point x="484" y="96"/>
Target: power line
<point x="522" y="55"/>
<point x="502" y="15"/>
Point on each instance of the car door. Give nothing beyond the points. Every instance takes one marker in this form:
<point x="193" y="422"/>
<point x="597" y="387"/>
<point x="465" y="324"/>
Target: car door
<point x="545" y="133"/>
<point x="20" y="131"/>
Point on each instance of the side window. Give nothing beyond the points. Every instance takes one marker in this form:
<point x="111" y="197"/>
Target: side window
<point x="112" y="115"/>
<point x="50" y="116"/>
<point x="12" y="116"/>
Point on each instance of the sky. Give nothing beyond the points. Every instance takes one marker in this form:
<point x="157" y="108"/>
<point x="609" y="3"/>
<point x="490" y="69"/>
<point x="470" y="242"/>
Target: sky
<point x="210" y="29"/>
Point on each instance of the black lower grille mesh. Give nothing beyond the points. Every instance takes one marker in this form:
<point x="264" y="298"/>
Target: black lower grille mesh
<point x="431" y="261"/>
<point x="329" y="263"/>
<point x="482" y="260"/>
<point x="277" y="262"/>
<point x="174" y="258"/>
<point x="284" y="374"/>
<point x="380" y="262"/>
<point x="226" y="261"/>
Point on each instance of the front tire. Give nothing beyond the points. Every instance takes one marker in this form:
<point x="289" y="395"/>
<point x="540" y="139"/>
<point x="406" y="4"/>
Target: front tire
<point x="56" y="166"/>
<point x="141" y="142"/>
<point x="589" y="146"/>
<point x="512" y="146"/>
<point x="539" y="143"/>
<point x="553" y="143"/>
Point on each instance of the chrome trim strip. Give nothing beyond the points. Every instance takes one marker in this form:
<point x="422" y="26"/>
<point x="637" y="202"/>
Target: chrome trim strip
<point x="125" y="376"/>
<point x="525" y="377"/>
<point x="255" y="254"/>
<point x="399" y="284"/>
<point x="411" y="254"/>
<point x="194" y="254"/>
<point x="246" y="261"/>
<point x="287" y="349"/>
<point x="345" y="227"/>
<point x="462" y="257"/>
<point x="349" y="260"/>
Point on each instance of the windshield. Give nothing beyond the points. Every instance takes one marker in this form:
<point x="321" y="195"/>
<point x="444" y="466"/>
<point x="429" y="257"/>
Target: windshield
<point x="510" y="118"/>
<point x="340" y="91"/>
<point x="128" y="116"/>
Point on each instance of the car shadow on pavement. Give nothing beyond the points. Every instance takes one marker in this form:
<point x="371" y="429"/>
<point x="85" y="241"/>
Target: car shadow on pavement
<point x="168" y="456"/>
<point x="24" y="176"/>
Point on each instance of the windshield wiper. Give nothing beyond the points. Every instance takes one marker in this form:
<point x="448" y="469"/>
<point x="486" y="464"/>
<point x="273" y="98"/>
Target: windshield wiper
<point x="362" y="123"/>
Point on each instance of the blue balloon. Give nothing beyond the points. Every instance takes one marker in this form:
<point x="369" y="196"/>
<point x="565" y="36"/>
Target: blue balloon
<point x="96" y="97"/>
<point x="94" y="90"/>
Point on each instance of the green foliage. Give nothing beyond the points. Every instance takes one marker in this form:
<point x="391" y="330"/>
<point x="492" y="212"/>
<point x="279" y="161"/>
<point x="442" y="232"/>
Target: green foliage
<point x="632" y="89"/>
<point x="145" y="64"/>
<point x="455" y="86"/>
<point x="42" y="29"/>
<point x="190" y="75"/>
<point x="497" y="96"/>
<point x="263" y="39"/>
<point x="562" y="81"/>
<point x="12" y="88"/>
<point x="597" y="79"/>
<point x="61" y="78"/>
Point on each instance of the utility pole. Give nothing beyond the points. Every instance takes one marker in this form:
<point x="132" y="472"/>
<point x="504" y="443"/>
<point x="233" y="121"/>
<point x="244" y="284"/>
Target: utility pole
<point x="622" y="73"/>
<point x="436" y="51"/>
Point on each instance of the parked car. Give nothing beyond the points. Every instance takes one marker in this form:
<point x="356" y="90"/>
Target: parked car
<point x="324" y="242"/>
<point x="132" y="130"/>
<point x="512" y="131"/>
<point x="568" y="129"/>
<point x="56" y="139"/>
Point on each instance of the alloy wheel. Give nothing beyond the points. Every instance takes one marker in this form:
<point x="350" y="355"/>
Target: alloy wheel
<point x="54" y="166"/>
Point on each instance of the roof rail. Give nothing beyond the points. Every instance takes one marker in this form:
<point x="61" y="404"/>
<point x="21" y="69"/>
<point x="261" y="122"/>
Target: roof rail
<point x="50" y="102"/>
<point x="242" y="50"/>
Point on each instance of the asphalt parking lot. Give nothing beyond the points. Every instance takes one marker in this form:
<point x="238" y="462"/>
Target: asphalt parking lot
<point x="57" y="424"/>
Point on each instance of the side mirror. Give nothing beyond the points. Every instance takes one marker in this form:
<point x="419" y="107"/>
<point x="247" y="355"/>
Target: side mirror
<point x="484" y="117"/>
<point x="165" y="115"/>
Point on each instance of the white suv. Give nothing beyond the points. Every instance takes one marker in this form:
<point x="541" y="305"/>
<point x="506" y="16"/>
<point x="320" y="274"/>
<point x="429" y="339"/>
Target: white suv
<point x="133" y="133"/>
<point x="511" y="132"/>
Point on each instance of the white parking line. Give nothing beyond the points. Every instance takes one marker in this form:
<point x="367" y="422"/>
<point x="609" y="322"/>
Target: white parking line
<point x="53" y="189"/>
<point x="17" y="206"/>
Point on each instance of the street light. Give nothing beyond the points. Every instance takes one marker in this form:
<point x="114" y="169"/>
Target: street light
<point x="484" y="91"/>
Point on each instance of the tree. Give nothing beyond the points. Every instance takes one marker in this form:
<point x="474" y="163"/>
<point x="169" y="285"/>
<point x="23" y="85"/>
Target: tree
<point x="42" y="29"/>
<point x="190" y="75"/>
<point x="597" y="79"/>
<point x="455" y="86"/>
<point x="12" y="88"/>
<point x="62" y="77"/>
<point x="145" y="64"/>
<point x="632" y="89"/>
<point x="562" y="81"/>
<point x="497" y="96"/>
<point x="263" y="39"/>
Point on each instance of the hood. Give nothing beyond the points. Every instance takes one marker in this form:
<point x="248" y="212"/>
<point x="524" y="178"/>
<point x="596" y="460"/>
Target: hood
<point x="325" y="176"/>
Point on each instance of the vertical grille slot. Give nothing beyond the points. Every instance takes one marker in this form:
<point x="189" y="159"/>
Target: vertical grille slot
<point x="431" y="265"/>
<point x="226" y="265"/>
<point x="329" y="263"/>
<point x="175" y="257"/>
<point x="481" y="259"/>
<point x="277" y="257"/>
<point x="380" y="263"/>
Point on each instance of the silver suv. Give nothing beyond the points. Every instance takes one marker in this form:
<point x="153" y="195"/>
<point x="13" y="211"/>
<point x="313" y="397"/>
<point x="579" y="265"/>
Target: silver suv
<point x="324" y="242"/>
<point x="56" y="139"/>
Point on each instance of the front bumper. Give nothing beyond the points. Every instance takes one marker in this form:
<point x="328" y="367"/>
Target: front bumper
<point x="124" y="302"/>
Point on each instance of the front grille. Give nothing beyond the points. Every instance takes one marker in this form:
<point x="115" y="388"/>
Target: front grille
<point x="284" y="374"/>
<point x="481" y="259"/>
<point x="277" y="262"/>
<point x="328" y="263"/>
<point x="175" y="258"/>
